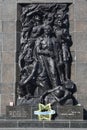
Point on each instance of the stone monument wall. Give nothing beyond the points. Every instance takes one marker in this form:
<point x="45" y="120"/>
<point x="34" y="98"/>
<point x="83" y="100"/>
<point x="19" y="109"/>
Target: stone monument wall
<point x="9" y="48"/>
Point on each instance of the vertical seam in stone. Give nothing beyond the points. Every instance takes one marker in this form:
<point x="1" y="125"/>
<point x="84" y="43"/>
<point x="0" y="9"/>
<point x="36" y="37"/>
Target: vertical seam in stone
<point x="69" y="123"/>
<point x="17" y="124"/>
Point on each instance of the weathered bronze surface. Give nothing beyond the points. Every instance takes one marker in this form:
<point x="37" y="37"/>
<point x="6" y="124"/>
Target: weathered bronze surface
<point x="45" y="58"/>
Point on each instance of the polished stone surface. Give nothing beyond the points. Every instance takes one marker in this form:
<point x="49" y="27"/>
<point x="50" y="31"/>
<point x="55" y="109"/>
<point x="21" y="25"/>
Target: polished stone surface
<point x="62" y="112"/>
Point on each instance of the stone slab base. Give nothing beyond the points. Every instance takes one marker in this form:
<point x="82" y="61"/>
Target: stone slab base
<point x="27" y="112"/>
<point x="70" y="112"/>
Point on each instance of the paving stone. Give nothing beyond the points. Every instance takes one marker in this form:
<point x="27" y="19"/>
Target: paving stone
<point x="0" y="73"/>
<point x="9" y="1"/>
<point x="81" y="56"/>
<point x="80" y="10"/>
<point x="9" y="26"/>
<point x="73" y="46"/>
<point x="81" y="87"/>
<point x="0" y="102"/>
<point x="5" y="101"/>
<point x="9" y="11"/>
<point x="0" y="11"/>
<point x="82" y="99"/>
<point x="0" y="57"/>
<point x="81" y="69"/>
<point x="8" y="124"/>
<point x="0" y="26"/>
<point x="71" y="28"/>
<point x="80" y="40"/>
<point x="55" y="124"/>
<point x="8" y="73"/>
<point x="1" y="41"/>
<point x="8" y="57"/>
<point x="8" y="88"/>
<point x="35" y="124"/>
<point x="78" y="124"/>
<point x="81" y="26"/>
<point x="33" y="129"/>
<point x="9" y="42"/>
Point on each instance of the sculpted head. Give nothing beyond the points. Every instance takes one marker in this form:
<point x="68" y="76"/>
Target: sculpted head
<point x="47" y="29"/>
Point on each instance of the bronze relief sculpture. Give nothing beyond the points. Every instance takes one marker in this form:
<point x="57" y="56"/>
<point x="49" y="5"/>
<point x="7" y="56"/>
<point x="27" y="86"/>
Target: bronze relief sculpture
<point x="45" y="58"/>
